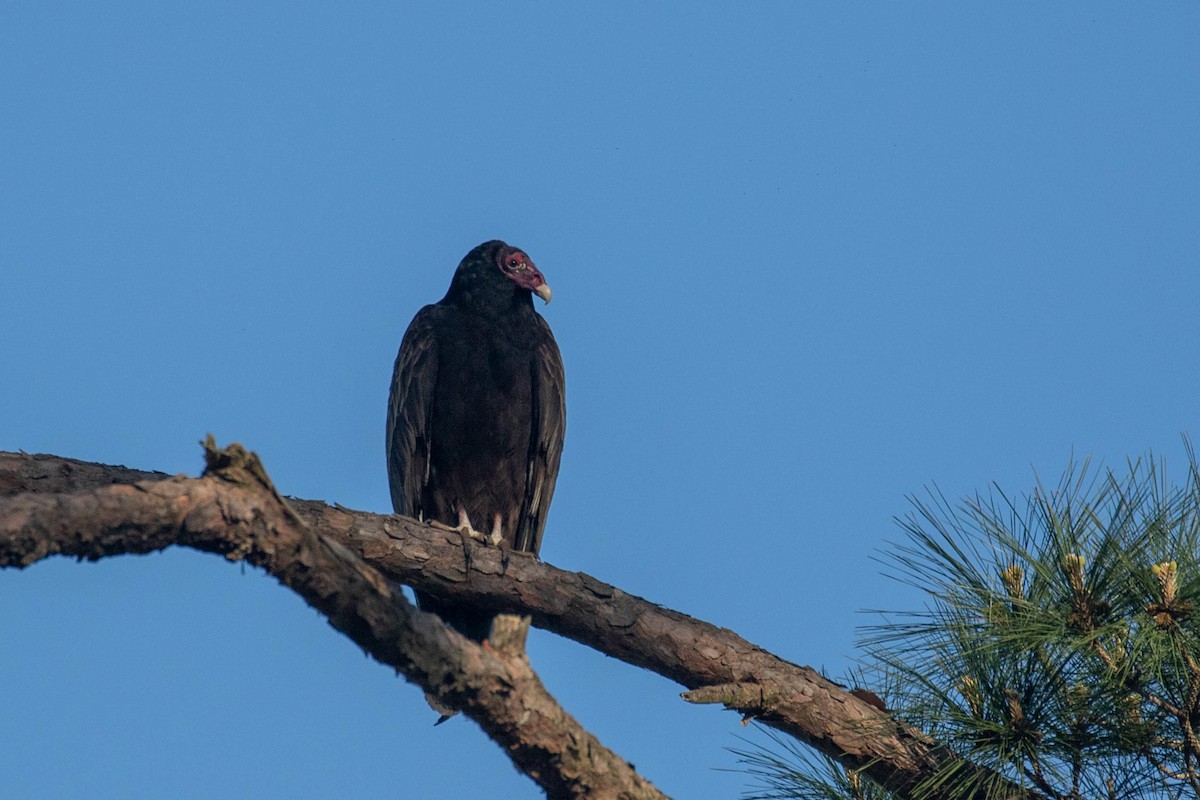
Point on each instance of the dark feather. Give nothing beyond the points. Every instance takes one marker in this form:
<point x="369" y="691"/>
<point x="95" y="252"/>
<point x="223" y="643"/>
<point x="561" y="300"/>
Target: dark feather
<point x="476" y="415"/>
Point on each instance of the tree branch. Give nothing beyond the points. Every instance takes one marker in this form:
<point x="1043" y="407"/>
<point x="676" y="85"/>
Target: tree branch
<point x="715" y="663"/>
<point x="234" y="511"/>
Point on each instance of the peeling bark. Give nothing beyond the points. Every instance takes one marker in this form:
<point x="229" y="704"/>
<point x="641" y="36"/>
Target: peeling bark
<point x="715" y="664"/>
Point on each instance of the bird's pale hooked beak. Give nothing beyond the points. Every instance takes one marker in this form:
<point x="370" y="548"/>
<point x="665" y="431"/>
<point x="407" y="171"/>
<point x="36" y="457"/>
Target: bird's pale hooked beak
<point x="543" y="292"/>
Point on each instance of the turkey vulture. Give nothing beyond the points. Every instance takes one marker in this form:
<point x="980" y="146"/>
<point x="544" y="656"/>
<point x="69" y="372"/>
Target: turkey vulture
<point x="476" y="413"/>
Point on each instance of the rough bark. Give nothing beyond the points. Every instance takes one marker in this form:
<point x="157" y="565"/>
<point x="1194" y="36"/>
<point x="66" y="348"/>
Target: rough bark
<point x="235" y="512"/>
<point x="715" y="664"/>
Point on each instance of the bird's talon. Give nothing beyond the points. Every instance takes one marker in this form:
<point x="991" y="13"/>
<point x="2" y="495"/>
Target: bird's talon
<point x="466" y="531"/>
<point x="474" y="534"/>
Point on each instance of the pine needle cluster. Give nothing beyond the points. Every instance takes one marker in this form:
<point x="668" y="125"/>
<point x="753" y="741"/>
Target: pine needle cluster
<point x="1059" y="645"/>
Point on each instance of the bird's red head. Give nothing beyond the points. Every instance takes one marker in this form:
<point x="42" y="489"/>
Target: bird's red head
<point x="519" y="269"/>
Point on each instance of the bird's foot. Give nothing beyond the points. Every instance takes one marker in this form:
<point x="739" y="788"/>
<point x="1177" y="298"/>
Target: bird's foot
<point x="465" y="529"/>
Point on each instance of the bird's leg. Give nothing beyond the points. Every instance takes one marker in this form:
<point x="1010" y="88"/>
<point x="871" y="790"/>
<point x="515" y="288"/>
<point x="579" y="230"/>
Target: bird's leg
<point x="496" y="536"/>
<point x="466" y="532"/>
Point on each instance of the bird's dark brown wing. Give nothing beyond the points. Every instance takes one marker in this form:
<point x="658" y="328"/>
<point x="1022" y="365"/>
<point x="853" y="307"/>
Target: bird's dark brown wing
<point x="410" y="413"/>
<point x="545" y="441"/>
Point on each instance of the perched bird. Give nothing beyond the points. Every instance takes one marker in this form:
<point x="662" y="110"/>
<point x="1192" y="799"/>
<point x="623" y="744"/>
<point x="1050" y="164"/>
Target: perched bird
<point x="477" y="414"/>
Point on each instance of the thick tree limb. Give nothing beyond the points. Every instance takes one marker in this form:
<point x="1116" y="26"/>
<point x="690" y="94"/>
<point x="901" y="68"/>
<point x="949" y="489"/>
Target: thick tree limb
<point x="235" y="512"/>
<point x="714" y="663"/>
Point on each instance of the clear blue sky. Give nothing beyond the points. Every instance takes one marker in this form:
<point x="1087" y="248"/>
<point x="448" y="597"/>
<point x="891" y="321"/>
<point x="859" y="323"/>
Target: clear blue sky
<point x="806" y="259"/>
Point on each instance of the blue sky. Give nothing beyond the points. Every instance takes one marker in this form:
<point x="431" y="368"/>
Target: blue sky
<point x="806" y="258"/>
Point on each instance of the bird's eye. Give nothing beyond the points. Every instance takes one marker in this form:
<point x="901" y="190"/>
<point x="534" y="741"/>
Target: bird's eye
<point x="516" y="264"/>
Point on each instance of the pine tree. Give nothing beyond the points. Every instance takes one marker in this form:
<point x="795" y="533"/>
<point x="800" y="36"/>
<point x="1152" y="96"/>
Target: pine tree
<point x="1059" y="644"/>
